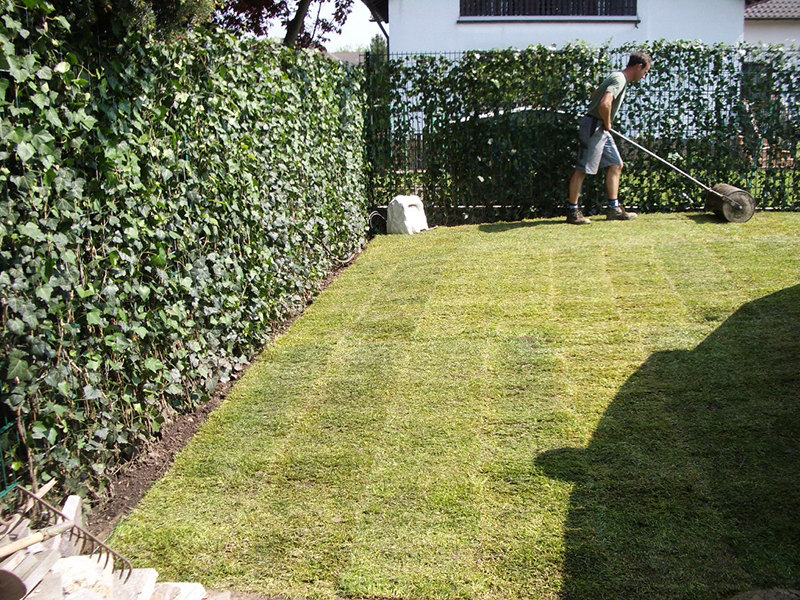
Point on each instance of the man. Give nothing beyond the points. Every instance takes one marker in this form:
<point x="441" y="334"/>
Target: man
<point x="598" y="149"/>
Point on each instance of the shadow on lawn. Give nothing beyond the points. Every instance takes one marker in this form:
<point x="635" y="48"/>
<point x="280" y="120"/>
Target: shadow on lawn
<point x="508" y="226"/>
<point x="690" y="487"/>
<point x="703" y="218"/>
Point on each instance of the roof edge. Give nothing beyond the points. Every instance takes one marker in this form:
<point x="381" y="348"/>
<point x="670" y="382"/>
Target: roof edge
<point x="379" y="9"/>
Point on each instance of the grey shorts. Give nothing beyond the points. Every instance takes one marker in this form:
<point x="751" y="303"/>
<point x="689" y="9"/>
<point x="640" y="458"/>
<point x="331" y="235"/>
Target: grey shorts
<point x="597" y="150"/>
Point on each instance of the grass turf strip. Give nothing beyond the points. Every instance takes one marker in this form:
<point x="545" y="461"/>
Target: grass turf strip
<point x="523" y="410"/>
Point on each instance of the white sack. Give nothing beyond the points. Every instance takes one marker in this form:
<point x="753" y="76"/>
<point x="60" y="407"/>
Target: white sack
<point x="406" y="215"/>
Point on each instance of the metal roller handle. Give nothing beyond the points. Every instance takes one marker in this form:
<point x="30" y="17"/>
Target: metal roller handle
<point x="669" y="164"/>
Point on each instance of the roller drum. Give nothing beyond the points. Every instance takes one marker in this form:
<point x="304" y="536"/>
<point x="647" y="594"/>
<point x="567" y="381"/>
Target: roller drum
<point x="735" y="205"/>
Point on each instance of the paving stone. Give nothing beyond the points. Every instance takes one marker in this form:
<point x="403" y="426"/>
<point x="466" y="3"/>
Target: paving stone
<point x="80" y="573"/>
<point x="49" y="588"/>
<point x="179" y="591"/>
<point x="85" y="595"/>
<point x="140" y="585"/>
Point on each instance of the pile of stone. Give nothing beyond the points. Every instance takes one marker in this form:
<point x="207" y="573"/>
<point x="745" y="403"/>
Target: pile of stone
<point x="55" y="568"/>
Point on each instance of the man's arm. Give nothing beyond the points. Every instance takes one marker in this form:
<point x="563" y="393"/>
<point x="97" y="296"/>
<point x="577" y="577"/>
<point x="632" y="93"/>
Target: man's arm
<point x="605" y="110"/>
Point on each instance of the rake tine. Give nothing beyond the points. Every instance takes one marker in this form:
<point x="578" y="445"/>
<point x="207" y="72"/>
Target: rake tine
<point x="86" y="539"/>
<point x="28" y="505"/>
<point x="11" y="524"/>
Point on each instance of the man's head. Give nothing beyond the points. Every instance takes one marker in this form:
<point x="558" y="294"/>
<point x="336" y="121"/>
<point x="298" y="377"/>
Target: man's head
<point x="639" y="64"/>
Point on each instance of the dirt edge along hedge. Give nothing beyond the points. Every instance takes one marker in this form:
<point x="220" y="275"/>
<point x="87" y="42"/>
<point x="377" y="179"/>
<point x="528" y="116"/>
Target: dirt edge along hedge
<point x="162" y="210"/>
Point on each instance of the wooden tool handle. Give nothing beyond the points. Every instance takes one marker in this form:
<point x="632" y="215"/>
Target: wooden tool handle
<point x="35" y="538"/>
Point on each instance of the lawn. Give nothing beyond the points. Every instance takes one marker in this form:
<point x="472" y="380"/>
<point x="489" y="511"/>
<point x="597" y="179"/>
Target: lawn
<point x="520" y="410"/>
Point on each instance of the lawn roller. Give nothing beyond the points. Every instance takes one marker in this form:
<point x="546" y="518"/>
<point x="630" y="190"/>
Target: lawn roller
<point x="726" y="201"/>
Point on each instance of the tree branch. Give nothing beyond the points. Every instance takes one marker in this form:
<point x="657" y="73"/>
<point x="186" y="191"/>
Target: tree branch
<point x="296" y="25"/>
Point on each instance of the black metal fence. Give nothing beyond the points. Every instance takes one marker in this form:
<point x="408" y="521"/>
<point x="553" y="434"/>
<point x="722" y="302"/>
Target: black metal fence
<point x="484" y="136"/>
<point x="10" y="450"/>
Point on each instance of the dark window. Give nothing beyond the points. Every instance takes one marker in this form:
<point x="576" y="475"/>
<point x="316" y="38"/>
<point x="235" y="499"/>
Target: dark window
<point x="548" y="8"/>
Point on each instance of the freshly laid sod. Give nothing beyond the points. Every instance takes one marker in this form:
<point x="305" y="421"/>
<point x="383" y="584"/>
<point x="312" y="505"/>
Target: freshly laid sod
<point x="524" y="410"/>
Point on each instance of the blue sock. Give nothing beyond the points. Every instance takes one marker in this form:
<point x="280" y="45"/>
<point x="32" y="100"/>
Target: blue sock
<point x="613" y="203"/>
<point x="573" y="207"/>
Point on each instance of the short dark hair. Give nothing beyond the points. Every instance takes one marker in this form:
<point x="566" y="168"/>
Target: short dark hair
<point x="639" y="58"/>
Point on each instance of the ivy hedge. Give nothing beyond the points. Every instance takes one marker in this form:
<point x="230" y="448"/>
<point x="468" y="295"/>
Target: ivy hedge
<point x="493" y="135"/>
<point x="163" y="208"/>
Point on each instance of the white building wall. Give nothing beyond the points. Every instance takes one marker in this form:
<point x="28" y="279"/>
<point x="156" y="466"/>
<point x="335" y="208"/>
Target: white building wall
<point x="772" y="31"/>
<point x="434" y="26"/>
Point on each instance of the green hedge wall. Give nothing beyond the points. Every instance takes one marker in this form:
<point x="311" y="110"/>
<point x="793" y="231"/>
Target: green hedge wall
<point x="493" y="135"/>
<point x="162" y="210"/>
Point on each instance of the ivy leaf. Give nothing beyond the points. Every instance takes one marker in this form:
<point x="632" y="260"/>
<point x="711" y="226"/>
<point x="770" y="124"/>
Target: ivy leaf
<point x="40" y="100"/>
<point x="17" y="68"/>
<point x="52" y="117"/>
<point x="63" y="22"/>
<point x="38" y="430"/>
<point x="32" y="230"/>
<point x="88" y="122"/>
<point x="86" y="292"/>
<point x="44" y="143"/>
<point x="16" y="326"/>
<point x="18" y="368"/>
<point x="91" y="393"/>
<point x="160" y="259"/>
<point x="153" y="365"/>
<point x="12" y="23"/>
<point x="25" y="151"/>
<point x="13" y="135"/>
<point x="44" y="292"/>
<point x="61" y="67"/>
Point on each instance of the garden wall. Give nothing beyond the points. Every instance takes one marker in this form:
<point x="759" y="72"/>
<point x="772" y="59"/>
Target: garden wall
<point x="492" y="135"/>
<point x="162" y="210"/>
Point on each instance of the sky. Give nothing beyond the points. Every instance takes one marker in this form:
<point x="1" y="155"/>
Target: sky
<point x="357" y="31"/>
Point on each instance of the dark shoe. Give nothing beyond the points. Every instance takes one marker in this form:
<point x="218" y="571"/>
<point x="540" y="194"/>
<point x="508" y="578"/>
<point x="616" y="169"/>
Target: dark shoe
<point x="576" y="218"/>
<point x="617" y="213"/>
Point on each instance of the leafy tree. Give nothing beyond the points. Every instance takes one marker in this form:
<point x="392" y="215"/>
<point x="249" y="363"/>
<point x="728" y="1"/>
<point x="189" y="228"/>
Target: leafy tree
<point x="107" y="20"/>
<point x="303" y="20"/>
<point x="379" y="90"/>
<point x="378" y="46"/>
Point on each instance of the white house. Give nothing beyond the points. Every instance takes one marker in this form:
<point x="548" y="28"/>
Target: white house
<point x="458" y="25"/>
<point x="773" y="22"/>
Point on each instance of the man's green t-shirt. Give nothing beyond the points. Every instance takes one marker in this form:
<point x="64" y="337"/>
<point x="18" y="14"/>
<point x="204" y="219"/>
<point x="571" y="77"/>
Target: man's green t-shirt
<point x="613" y="84"/>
